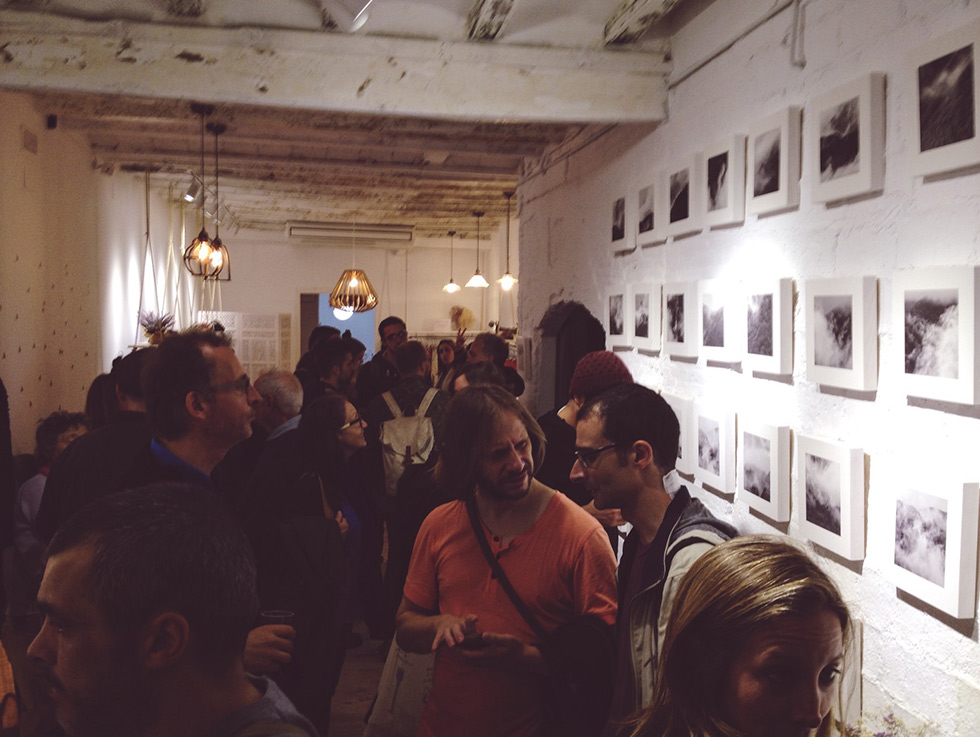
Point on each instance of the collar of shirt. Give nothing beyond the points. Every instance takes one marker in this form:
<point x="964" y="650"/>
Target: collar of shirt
<point x="291" y="424"/>
<point x="190" y="474"/>
<point x="672" y="482"/>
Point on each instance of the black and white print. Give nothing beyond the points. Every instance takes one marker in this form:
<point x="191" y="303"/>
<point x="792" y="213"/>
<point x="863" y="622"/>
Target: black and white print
<point x="946" y="100"/>
<point x="713" y="320"/>
<point x="823" y="492"/>
<point x="757" y="465"/>
<point x="920" y="535"/>
<point x="833" y="331"/>
<point x="718" y="185"/>
<point x="766" y="163"/>
<point x="645" y="210"/>
<point x="709" y="445"/>
<point x="759" y="325"/>
<point x="675" y="318"/>
<point x="680" y="195"/>
<point x="619" y="219"/>
<point x="840" y="154"/>
<point x="616" y="318"/>
<point x="932" y="330"/>
<point x="641" y="315"/>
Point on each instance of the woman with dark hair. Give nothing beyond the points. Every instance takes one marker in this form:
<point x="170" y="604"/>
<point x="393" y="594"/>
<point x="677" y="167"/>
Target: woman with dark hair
<point x="101" y="402"/>
<point x="754" y="647"/>
<point x="449" y="359"/>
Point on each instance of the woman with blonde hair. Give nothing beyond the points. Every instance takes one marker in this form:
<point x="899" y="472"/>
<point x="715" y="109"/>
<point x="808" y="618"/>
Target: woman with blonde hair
<point x="754" y="647"/>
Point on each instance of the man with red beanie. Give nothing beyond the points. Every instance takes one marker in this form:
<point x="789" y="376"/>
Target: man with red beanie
<point x="594" y="373"/>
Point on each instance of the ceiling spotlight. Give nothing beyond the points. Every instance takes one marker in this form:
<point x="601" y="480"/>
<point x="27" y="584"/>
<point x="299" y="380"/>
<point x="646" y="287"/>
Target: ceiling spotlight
<point x="194" y="192"/>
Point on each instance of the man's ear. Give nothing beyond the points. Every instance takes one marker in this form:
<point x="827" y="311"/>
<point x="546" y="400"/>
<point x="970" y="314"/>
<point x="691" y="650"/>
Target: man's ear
<point x="643" y="454"/>
<point x="164" y="640"/>
<point x="196" y="405"/>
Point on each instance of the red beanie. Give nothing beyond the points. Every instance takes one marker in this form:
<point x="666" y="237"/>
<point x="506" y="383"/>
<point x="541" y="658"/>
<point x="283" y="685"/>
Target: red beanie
<point x="597" y="371"/>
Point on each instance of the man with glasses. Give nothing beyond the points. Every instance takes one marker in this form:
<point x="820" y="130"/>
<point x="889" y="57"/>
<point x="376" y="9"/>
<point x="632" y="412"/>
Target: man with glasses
<point x="627" y="440"/>
<point x="380" y="374"/>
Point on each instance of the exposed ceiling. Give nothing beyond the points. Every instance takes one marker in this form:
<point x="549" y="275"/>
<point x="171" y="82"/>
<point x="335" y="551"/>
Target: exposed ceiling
<point x="429" y="112"/>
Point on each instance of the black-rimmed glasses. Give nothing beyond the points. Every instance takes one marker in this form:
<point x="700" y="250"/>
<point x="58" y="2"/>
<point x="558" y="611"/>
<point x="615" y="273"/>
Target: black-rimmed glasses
<point x="587" y="457"/>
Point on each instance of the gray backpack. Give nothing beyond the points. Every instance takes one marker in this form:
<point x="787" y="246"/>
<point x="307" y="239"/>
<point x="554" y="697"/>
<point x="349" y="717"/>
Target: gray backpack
<point x="406" y="440"/>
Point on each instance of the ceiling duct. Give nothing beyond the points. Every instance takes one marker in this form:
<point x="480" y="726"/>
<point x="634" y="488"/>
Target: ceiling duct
<point x="338" y="234"/>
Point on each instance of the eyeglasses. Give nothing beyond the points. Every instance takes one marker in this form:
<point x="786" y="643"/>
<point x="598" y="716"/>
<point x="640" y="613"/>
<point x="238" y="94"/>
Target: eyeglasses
<point x="587" y="457"/>
<point x="355" y="421"/>
<point x="240" y="385"/>
<point x="399" y="334"/>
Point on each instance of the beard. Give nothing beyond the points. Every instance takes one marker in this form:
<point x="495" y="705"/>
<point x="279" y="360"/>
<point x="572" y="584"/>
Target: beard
<point x="510" y="486"/>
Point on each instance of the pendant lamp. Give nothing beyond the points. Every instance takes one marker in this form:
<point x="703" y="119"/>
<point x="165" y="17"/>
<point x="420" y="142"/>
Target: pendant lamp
<point x="508" y="280"/>
<point x="451" y="286"/>
<point x="353" y="290"/>
<point x="198" y="254"/>
<point x="218" y="267"/>
<point x="477" y="279"/>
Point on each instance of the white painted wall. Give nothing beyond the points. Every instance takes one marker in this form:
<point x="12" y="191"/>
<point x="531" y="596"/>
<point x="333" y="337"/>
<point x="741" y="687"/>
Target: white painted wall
<point x="917" y="662"/>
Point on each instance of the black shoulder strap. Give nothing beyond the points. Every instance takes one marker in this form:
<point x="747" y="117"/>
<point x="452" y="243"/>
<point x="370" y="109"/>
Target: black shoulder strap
<point x="528" y="615"/>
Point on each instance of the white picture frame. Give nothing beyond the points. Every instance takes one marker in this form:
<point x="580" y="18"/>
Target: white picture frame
<point x="829" y="495"/>
<point x="935" y="312"/>
<point x="618" y="317"/>
<point x="680" y="319"/>
<point x="644" y="305"/>
<point x="763" y="463"/>
<point x="934" y="543"/>
<point x="768" y="339"/>
<point x="723" y="182"/>
<point x="944" y="102"/>
<point x="649" y="215"/>
<point x="845" y="140"/>
<point x="714" y="433"/>
<point x="680" y="194"/>
<point x="773" y="163"/>
<point x="618" y="240"/>
<point x="719" y="315"/>
<point x="684" y="409"/>
<point x="842" y="332"/>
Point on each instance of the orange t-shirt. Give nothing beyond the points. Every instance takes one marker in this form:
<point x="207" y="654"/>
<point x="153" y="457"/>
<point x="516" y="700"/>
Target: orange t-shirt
<point x="561" y="567"/>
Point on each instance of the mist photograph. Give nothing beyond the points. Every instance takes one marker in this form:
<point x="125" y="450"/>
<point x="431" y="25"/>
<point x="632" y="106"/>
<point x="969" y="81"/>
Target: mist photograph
<point x="675" y="318"/>
<point x="645" y="210"/>
<point x="839" y="141"/>
<point x="833" y="338"/>
<point x="680" y="195"/>
<point x="709" y="445"/>
<point x="641" y="315"/>
<point x="920" y="535"/>
<point x="932" y="332"/>
<point x="766" y="163"/>
<point x="619" y="219"/>
<point x="757" y="465"/>
<point x="823" y="492"/>
<point x="759" y="328"/>
<point x="946" y="100"/>
<point x="718" y="182"/>
<point x="616" y="314"/>
<point x="713" y="320"/>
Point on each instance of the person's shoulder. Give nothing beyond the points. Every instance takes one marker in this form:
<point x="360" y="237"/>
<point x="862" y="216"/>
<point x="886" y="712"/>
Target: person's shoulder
<point x="571" y="516"/>
<point x="272" y="715"/>
<point x="698" y="521"/>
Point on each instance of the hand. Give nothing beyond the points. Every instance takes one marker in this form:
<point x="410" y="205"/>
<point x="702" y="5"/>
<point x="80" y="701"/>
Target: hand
<point x="504" y="651"/>
<point x="268" y="648"/>
<point x="607" y="517"/>
<point x="450" y="630"/>
<point x="460" y="338"/>
<point x="342" y="523"/>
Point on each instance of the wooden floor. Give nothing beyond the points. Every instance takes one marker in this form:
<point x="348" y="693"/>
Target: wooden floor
<point x="355" y="692"/>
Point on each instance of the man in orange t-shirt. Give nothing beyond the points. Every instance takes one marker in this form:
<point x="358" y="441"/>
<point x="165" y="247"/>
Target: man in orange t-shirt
<point x="487" y="679"/>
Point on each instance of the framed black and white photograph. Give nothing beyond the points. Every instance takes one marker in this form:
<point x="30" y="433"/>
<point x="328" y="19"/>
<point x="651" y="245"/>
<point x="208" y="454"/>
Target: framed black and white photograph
<point x="618" y="317"/>
<point x="842" y="332"/>
<point x="649" y="217"/>
<point x="935" y="342"/>
<point x="768" y="308"/>
<point x="829" y="495"/>
<point x="680" y="186"/>
<point x="773" y="163"/>
<point x="680" y="318"/>
<point x="618" y="239"/>
<point x="763" y="463"/>
<point x="717" y="321"/>
<point x="845" y="140"/>
<point x="935" y="544"/>
<point x="945" y="103"/>
<point x="714" y="429"/>
<point x="645" y="305"/>
<point x="723" y="176"/>
<point x="684" y="409"/>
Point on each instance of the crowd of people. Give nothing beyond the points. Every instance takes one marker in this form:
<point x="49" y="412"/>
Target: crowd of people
<point x="191" y="555"/>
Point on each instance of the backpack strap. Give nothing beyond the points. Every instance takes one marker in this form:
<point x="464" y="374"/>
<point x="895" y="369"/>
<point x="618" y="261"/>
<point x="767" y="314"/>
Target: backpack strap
<point x="396" y="411"/>
<point x="430" y="394"/>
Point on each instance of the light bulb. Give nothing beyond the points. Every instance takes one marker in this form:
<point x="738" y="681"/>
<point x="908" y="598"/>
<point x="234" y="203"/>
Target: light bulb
<point x="507" y="282"/>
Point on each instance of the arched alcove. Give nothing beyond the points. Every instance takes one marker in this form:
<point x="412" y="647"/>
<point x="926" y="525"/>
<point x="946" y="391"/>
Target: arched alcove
<point x="568" y="332"/>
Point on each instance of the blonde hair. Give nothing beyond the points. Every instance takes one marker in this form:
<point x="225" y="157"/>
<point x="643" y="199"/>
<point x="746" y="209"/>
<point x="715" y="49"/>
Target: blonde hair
<point x="734" y="590"/>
